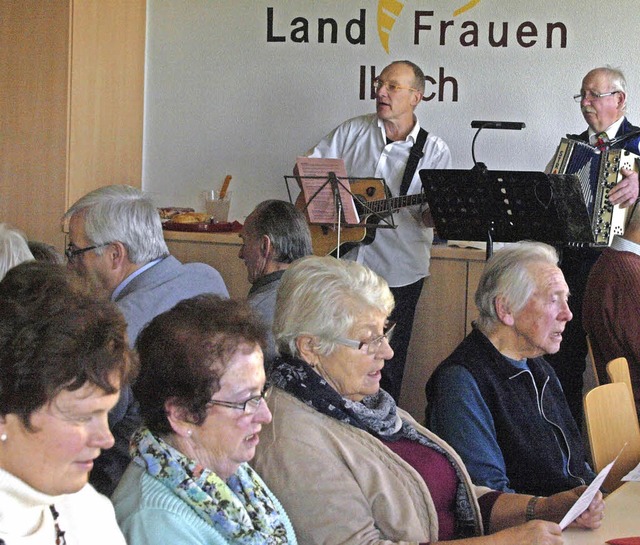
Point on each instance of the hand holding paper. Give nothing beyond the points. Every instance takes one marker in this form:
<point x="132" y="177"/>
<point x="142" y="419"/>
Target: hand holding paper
<point x="585" y="500"/>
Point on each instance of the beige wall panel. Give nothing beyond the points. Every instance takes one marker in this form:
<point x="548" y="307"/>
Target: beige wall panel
<point x="33" y="114"/>
<point x="107" y="81"/>
<point x="71" y="105"/>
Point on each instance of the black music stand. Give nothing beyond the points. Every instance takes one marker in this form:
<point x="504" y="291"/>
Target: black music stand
<point x="505" y="206"/>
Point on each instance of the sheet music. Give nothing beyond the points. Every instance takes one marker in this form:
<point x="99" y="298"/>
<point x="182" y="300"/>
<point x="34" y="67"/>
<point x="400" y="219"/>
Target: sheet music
<point x="585" y="499"/>
<point x="313" y="174"/>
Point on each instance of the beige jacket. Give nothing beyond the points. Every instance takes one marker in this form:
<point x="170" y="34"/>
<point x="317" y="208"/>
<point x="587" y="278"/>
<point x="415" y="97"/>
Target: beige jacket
<point x="341" y="485"/>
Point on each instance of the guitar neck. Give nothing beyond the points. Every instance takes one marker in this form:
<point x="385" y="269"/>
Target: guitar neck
<point x="395" y="203"/>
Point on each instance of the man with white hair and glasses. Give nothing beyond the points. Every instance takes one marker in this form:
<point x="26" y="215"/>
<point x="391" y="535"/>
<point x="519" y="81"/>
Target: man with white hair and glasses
<point x="115" y="234"/>
<point x="603" y="103"/>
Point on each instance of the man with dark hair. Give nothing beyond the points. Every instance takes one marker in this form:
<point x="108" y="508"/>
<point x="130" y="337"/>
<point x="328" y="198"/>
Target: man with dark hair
<point x="274" y="235"/>
<point x="380" y="145"/>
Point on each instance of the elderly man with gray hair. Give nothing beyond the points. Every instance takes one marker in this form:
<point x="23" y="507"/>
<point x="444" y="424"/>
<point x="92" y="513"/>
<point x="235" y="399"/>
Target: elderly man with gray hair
<point x="115" y="234"/>
<point x="495" y="400"/>
<point x="603" y="104"/>
<point x="274" y="235"/>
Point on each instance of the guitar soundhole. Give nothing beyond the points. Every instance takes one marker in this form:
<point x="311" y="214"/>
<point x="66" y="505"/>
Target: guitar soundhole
<point x="370" y="191"/>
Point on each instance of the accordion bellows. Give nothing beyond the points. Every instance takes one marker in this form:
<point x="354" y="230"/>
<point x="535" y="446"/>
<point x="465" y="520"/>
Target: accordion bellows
<point x="598" y="172"/>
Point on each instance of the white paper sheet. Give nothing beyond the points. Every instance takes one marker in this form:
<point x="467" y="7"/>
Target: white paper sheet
<point x="633" y="475"/>
<point x="585" y="499"/>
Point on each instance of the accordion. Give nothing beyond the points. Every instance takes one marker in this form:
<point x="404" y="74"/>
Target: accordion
<point x="597" y="172"/>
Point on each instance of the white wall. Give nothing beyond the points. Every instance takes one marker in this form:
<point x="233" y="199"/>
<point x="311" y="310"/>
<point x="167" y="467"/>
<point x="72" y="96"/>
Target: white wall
<point x="221" y="99"/>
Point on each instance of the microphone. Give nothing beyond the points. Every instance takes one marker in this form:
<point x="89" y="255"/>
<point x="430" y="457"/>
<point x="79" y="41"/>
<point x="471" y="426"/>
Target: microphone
<point x="508" y="125"/>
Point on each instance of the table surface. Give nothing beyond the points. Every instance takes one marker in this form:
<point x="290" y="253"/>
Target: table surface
<point x="622" y="518"/>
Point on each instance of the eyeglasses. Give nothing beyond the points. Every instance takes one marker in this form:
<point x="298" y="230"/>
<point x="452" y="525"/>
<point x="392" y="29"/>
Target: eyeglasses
<point x="373" y="346"/>
<point x="250" y="406"/>
<point x="72" y="252"/>
<point x="592" y="96"/>
<point x="392" y="87"/>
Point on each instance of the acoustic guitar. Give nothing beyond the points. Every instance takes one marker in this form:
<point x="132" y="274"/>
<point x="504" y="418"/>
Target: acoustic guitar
<point x="372" y="202"/>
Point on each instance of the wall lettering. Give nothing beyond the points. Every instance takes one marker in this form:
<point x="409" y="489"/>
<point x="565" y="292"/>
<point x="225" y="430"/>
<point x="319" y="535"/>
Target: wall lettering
<point x="448" y="32"/>
<point x="303" y="31"/>
<point x="470" y="34"/>
<point x="428" y="30"/>
<point x="441" y="87"/>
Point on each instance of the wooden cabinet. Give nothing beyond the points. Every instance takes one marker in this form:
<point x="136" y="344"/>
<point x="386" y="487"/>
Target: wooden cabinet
<point x="443" y="318"/>
<point x="220" y="250"/>
<point x="71" y="105"/>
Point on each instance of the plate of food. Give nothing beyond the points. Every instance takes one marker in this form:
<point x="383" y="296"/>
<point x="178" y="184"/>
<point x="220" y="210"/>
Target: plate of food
<point x="168" y="212"/>
<point x="199" y="222"/>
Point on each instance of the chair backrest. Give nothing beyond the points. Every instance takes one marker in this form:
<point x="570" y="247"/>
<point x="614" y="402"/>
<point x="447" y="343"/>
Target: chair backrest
<point x="618" y="371"/>
<point x="591" y="379"/>
<point x="612" y="422"/>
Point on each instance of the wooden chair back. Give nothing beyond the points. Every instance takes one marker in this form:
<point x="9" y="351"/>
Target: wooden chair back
<point x="618" y="371"/>
<point x="591" y="379"/>
<point x="612" y="422"/>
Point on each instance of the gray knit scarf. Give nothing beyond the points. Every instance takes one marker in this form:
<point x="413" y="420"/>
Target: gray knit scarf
<point x="375" y="414"/>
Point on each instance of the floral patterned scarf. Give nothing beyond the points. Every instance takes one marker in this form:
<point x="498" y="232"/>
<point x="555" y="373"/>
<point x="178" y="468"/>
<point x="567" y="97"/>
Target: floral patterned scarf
<point x="240" y="509"/>
<point x="375" y="414"/>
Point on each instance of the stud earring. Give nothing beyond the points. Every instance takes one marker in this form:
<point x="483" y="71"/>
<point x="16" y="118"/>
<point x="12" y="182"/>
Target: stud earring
<point x="189" y="432"/>
<point x="3" y="437"/>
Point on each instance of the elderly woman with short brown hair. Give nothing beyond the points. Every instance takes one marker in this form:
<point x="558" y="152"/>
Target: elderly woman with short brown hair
<point x="201" y="391"/>
<point x="348" y="465"/>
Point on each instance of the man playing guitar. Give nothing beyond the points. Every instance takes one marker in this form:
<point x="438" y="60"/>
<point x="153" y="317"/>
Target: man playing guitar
<point x="380" y="145"/>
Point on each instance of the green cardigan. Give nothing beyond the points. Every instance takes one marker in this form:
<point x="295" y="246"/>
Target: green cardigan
<point x="149" y="513"/>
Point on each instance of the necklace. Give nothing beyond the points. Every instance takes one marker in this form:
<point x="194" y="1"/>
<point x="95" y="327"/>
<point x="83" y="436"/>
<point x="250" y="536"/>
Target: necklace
<point x="60" y="539"/>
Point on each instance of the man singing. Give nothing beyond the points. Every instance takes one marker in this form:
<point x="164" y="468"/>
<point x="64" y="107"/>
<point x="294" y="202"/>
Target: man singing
<point x="379" y="145"/>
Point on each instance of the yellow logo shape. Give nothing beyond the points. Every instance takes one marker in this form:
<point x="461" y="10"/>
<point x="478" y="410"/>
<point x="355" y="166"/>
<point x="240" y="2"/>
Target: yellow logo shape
<point x="389" y="11"/>
<point x="466" y="7"/>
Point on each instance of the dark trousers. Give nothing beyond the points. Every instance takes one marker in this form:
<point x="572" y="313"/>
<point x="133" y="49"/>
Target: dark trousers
<point x="569" y="362"/>
<point x="406" y="298"/>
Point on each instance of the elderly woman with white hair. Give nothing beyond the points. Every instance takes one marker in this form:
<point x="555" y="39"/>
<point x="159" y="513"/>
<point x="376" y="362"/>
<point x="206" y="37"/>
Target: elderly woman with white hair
<point x="347" y="464"/>
<point x="13" y="249"/>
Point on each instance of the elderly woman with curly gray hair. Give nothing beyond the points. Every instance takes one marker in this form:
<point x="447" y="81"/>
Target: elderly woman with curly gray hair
<point x="349" y="466"/>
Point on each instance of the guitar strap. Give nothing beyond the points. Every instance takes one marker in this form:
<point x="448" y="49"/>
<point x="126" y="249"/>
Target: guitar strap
<point x="415" y="155"/>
